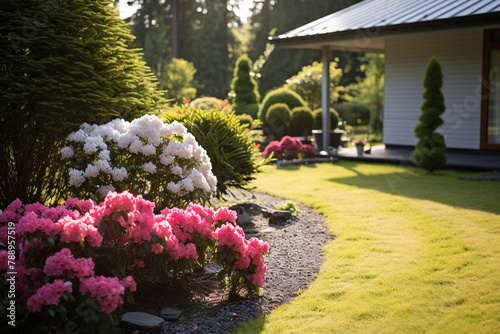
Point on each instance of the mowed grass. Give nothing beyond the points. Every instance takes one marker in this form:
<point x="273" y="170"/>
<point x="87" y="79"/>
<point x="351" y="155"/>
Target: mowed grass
<point x="413" y="253"/>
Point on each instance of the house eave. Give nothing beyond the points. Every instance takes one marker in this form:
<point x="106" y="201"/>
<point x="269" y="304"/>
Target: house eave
<point x="372" y="39"/>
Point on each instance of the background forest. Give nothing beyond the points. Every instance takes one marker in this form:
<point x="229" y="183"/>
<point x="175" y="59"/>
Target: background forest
<point x="209" y="36"/>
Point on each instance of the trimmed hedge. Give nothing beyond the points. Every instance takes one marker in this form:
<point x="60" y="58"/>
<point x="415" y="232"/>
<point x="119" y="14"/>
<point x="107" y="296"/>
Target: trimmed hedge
<point x="280" y="95"/>
<point x="301" y="121"/>
<point x="318" y="119"/>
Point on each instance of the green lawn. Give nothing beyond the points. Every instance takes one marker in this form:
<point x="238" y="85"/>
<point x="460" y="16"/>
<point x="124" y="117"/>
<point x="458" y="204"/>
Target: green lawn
<point x="413" y="253"/>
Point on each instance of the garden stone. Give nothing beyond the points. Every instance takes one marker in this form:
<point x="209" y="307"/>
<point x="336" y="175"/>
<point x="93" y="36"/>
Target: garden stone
<point x="245" y="212"/>
<point x="170" y="314"/>
<point x="142" y="320"/>
<point x="280" y="217"/>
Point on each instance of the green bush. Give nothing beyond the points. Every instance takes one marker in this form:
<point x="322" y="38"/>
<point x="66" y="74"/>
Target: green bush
<point x="208" y="103"/>
<point x="301" y="121"/>
<point x="251" y="109"/>
<point x="235" y="159"/>
<point x="278" y="118"/>
<point x="245" y="120"/>
<point x="430" y="151"/>
<point x="177" y="79"/>
<point x="354" y="114"/>
<point x="280" y="95"/>
<point x="318" y="119"/>
<point x="74" y="68"/>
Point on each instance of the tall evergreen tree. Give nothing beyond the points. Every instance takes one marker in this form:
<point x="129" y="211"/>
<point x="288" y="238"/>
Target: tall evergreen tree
<point x="430" y="151"/>
<point x="62" y="63"/>
<point x="244" y="85"/>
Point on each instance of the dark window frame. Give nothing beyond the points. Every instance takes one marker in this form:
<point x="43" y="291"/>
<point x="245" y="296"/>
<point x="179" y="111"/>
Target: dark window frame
<point x="488" y="46"/>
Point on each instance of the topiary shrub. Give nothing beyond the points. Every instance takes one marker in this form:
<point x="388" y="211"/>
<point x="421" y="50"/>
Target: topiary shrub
<point x="354" y="113"/>
<point x="430" y="151"/>
<point x="251" y="109"/>
<point x="318" y="119"/>
<point x="244" y="87"/>
<point x="301" y="121"/>
<point x="280" y="95"/>
<point x="278" y="118"/>
<point x="235" y="159"/>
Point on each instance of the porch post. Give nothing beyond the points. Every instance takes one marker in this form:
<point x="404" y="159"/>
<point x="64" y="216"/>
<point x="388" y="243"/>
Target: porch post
<point x="325" y="96"/>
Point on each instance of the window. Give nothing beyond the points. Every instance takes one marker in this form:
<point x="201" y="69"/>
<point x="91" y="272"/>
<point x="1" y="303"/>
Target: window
<point x="490" y="114"/>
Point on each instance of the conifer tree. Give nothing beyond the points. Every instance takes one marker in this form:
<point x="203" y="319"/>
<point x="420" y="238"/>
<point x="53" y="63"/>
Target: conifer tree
<point x="430" y="151"/>
<point x="243" y="86"/>
<point x="63" y="63"/>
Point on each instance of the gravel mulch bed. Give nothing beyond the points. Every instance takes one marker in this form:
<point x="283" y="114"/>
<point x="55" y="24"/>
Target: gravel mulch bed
<point x="294" y="260"/>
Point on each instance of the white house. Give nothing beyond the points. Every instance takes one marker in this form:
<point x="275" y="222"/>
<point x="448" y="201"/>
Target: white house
<point x="463" y="34"/>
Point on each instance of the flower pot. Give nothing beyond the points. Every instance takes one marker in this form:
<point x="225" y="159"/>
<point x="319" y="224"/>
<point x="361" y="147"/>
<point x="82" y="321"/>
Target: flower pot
<point x="335" y="136"/>
<point x="360" y="148"/>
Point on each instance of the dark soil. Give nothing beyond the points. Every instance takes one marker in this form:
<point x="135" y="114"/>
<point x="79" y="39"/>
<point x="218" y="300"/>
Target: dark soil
<point x="294" y="260"/>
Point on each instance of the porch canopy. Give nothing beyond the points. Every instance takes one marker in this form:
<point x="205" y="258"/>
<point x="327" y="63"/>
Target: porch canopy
<point x="364" y="27"/>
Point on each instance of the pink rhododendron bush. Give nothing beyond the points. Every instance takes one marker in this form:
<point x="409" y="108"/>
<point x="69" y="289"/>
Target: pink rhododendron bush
<point x="163" y="162"/>
<point x="78" y="262"/>
<point x="289" y="148"/>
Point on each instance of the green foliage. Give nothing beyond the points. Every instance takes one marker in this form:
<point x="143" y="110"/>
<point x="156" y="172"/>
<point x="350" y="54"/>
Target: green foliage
<point x="370" y="90"/>
<point x="307" y="83"/>
<point x="249" y="109"/>
<point x="245" y="120"/>
<point x="430" y="151"/>
<point x="235" y="159"/>
<point x="318" y="119"/>
<point x="278" y="118"/>
<point x="301" y="121"/>
<point x="57" y="73"/>
<point x="285" y="16"/>
<point x="244" y="87"/>
<point x="177" y="79"/>
<point x="207" y="103"/>
<point x="354" y="113"/>
<point x="288" y="206"/>
<point x="280" y="95"/>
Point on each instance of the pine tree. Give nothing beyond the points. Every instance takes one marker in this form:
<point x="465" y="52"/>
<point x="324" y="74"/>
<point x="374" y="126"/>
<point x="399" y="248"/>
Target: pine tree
<point x="62" y="63"/>
<point x="430" y="149"/>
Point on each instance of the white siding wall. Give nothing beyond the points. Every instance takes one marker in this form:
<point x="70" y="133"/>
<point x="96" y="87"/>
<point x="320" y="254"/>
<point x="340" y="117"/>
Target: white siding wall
<point x="460" y="54"/>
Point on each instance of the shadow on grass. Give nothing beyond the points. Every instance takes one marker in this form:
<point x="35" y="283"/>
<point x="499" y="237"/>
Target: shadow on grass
<point x="254" y="326"/>
<point x="414" y="183"/>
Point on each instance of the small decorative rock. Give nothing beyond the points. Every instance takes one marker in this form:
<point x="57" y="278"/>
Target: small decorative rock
<point x="170" y="314"/>
<point x="141" y="320"/>
<point x="279" y="217"/>
<point x="245" y="211"/>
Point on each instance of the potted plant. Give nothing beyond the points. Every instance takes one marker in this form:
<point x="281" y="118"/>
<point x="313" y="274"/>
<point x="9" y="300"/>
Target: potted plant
<point x="360" y="144"/>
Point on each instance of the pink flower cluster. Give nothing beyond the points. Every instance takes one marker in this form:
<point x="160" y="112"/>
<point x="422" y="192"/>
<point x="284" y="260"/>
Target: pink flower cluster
<point x="63" y="263"/>
<point x="107" y="290"/>
<point x="251" y="251"/>
<point x="175" y="233"/>
<point x="49" y="294"/>
<point x="289" y="148"/>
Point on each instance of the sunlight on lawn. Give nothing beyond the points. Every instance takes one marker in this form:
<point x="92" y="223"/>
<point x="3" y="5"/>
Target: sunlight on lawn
<point x="413" y="253"/>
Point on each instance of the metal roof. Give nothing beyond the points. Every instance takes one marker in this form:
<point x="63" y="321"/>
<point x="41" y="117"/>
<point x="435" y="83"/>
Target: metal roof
<point x="378" y="18"/>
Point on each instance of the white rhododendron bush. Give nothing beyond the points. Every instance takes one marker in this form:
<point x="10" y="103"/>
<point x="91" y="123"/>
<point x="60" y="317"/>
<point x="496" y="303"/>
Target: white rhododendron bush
<point x="162" y="162"/>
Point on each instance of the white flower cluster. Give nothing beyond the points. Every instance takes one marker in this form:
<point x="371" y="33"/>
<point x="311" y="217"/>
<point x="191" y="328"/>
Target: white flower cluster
<point x="148" y="137"/>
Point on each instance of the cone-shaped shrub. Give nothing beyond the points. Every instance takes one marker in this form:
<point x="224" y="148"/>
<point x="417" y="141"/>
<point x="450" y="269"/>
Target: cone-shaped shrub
<point x="430" y="149"/>
<point x="243" y="85"/>
<point x="280" y="95"/>
<point x="301" y="121"/>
